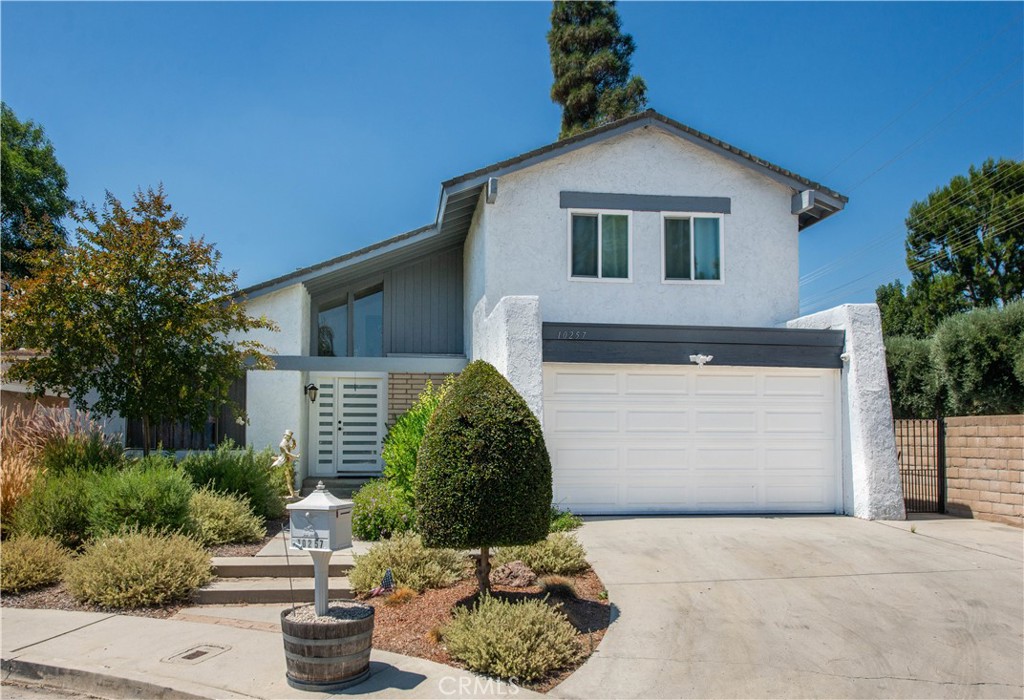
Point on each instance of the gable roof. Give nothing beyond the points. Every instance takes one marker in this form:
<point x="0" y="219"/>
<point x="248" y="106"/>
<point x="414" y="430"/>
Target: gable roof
<point x="812" y="201"/>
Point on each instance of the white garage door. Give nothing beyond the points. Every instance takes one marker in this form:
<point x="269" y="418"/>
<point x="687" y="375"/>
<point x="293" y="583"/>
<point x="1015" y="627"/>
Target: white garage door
<point x="688" y="439"/>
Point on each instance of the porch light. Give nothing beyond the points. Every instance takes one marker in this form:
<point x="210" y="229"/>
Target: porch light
<point x="310" y="391"/>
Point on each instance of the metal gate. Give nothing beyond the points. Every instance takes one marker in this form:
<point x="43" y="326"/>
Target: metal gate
<point x="921" y="446"/>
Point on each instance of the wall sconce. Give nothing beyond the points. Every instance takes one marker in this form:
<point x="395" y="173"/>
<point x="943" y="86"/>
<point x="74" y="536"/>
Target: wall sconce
<point x="310" y="391"/>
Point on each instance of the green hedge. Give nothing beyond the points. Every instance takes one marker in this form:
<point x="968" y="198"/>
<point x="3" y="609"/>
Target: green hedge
<point x="379" y="512"/>
<point x="245" y="473"/>
<point x="151" y="494"/>
<point x="402" y="443"/>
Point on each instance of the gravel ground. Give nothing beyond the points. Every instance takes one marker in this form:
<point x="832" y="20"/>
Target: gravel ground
<point x="336" y="610"/>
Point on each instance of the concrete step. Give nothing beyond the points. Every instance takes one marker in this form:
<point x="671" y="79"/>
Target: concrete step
<point x="297" y="565"/>
<point x="224" y="591"/>
<point x="341" y="487"/>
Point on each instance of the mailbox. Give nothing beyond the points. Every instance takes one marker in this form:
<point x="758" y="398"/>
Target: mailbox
<point x="320" y="521"/>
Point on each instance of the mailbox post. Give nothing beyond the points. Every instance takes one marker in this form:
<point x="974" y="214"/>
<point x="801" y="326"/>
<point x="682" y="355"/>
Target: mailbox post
<point x="320" y="524"/>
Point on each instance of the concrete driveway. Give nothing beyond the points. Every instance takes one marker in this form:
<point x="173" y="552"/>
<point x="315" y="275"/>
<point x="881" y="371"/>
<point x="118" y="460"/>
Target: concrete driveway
<point x="756" y="607"/>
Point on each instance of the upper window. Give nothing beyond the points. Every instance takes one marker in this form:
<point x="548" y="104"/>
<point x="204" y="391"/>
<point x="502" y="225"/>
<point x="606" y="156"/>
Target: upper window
<point x="692" y="248"/>
<point x="599" y="245"/>
<point x="354" y="327"/>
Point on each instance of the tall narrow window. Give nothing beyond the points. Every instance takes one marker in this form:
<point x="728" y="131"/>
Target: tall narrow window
<point x="332" y="332"/>
<point x="599" y="246"/>
<point x="692" y="248"/>
<point x="368" y="323"/>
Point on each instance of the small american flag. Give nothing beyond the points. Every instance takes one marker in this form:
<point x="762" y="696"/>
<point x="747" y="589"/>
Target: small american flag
<point x="386" y="585"/>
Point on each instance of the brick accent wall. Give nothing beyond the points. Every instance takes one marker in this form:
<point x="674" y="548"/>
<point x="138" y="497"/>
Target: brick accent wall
<point x="405" y="387"/>
<point x="985" y="468"/>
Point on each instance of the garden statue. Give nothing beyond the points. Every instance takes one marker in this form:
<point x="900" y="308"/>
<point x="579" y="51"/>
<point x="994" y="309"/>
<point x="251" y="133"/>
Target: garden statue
<point x="288" y="457"/>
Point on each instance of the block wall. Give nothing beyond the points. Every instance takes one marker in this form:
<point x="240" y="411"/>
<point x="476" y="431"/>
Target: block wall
<point x="985" y="468"/>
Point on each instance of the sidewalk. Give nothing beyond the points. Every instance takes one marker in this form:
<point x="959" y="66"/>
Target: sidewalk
<point x="119" y="656"/>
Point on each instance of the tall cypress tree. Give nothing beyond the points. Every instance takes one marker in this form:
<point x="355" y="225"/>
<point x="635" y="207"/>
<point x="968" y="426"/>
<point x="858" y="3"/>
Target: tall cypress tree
<point x="590" y="62"/>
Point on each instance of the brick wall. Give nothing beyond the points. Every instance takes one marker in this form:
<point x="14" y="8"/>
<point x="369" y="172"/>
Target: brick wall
<point x="985" y="468"/>
<point x="405" y="387"/>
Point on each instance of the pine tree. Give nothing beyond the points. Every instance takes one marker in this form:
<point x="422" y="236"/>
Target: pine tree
<point x="590" y="62"/>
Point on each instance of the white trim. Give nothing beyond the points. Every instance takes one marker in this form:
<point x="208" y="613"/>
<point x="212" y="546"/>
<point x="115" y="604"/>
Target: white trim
<point x="629" y="245"/>
<point x="665" y="215"/>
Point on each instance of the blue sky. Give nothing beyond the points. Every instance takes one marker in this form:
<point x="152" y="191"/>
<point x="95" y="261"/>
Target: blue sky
<point x="289" y="133"/>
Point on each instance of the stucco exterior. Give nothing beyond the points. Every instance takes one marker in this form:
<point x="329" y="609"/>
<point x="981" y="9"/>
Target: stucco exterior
<point x="871" y="475"/>
<point x="289" y="309"/>
<point x="274" y="403"/>
<point x="521" y="240"/>
<point x="510" y="339"/>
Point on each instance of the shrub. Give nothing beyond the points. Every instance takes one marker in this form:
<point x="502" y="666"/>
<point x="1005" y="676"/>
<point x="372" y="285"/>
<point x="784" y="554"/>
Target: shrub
<point x="245" y="473"/>
<point x="30" y="562"/>
<point x="914" y="386"/>
<point x="484" y="475"/>
<point x="221" y="518"/>
<point x="557" y="587"/>
<point x="401" y="596"/>
<point x="135" y="569"/>
<point x="378" y="512"/>
<point x="58" y="507"/>
<point x="525" y="641"/>
<point x="85" y="447"/>
<point x="413" y="565"/>
<point x="564" y="520"/>
<point x="151" y="494"/>
<point x="17" y="474"/>
<point x="979" y="358"/>
<point x="402" y="444"/>
<point x="560" y="553"/>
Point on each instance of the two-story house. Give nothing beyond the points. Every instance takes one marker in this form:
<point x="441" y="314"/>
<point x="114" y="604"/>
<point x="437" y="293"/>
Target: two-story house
<point x="638" y="284"/>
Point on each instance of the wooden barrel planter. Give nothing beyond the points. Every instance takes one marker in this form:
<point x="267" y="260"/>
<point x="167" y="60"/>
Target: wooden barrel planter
<point x="328" y="653"/>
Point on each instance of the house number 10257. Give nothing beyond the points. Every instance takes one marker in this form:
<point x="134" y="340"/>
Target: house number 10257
<point x="572" y="335"/>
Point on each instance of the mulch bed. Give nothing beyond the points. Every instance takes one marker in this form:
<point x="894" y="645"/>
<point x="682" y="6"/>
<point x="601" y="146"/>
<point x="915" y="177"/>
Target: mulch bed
<point x="56" y="597"/>
<point x="408" y="628"/>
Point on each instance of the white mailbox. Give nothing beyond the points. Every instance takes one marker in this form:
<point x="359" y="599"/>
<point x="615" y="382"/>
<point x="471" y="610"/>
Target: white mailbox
<point x="320" y="521"/>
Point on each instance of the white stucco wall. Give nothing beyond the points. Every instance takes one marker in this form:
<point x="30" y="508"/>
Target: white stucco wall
<point x="871" y="474"/>
<point x="510" y="339"/>
<point x="289" y="309"/>
<point x="474" y="270"/>
<point x="274" y="403"/>
<point x="523" y="238"/>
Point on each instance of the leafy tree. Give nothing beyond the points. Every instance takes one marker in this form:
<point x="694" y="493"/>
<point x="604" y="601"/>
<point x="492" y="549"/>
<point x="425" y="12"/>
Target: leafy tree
<point x="965" y="250"/>
<point x="33" y="188"/>
<point x="483" y="478"/>
<point x="590" y="60"/>
<point x="979" y="358"/>
<point x="914" y="386"/>
<point x="134" y="312"/>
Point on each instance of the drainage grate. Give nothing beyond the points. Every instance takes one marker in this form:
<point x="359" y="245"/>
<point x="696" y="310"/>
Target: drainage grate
<point x="196" y="655"/>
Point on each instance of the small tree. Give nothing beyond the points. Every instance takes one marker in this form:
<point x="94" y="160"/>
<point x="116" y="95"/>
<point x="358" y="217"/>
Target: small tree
<point x="484" y="476"/>
<point x="590" y="62"/>
<point x="134" y="312"/>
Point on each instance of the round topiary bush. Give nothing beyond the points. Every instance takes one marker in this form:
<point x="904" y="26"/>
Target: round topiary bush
<point x="135" y="569"/>
<point x="30" y="562"/>
<point x="483" y="476"/>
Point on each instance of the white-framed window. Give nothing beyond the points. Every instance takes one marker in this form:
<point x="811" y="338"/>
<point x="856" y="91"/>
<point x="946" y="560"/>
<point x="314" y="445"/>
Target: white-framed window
<point x="692" y="248"/>
<point x="600" y="245"/>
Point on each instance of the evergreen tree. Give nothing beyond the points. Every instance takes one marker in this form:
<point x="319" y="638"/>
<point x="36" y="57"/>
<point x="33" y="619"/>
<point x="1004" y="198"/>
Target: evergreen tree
<point x="590" y="62"/>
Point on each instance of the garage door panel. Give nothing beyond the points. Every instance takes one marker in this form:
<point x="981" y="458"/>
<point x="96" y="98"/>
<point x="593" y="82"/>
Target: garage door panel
<point x="709" y="385"/>
<point x="689" y="440"/>
<point x="579" y="420"/>
<point x="648" y="458"/>
<point x="808" y="386"/>
<point x="574" y="384"/>
<point x="587" y="459"/>
<point x="656" y="420"/>
<point x="645" y="384"/>
<point x="726" y="421"/>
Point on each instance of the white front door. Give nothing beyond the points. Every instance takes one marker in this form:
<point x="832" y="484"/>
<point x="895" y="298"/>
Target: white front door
<point x="346" y="423"/>
<point x="687" y="439"/>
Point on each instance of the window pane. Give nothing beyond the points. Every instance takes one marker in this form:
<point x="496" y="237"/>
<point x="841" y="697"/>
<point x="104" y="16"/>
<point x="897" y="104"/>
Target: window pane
<point x="332" y="332"/>
<point x="614" y="246"/>
<point x="677" y="249"/>
<point x="584" y="246"/>
<point x="707" y="256"/>
<point x="368" y="325"/>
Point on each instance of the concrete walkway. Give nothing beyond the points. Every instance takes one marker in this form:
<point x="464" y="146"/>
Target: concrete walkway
<point x="793" y="607"/>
